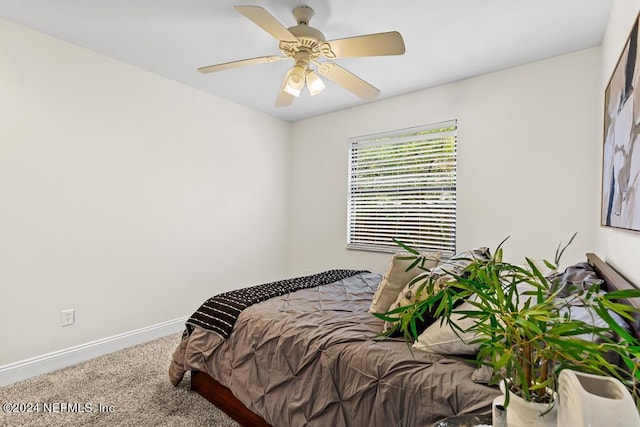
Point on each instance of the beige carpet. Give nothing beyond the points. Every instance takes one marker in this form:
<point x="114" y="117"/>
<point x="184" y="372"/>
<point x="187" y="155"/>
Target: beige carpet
<point x="133" y="382"/>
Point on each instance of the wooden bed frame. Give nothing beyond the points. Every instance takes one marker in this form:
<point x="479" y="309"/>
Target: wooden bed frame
<point x="224" y="399"/>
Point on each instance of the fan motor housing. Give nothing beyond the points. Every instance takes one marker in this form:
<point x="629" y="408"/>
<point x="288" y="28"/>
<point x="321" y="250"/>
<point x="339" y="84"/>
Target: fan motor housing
<point x="303" y="31"/>
<point x="311" y="43"/>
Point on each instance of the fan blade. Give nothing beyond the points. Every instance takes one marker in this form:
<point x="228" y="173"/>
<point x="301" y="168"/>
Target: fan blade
<point x="241" y="63"/>
<point x="347" y="80"/>
<point x="380" y="44"/>
<point x="284" y="99"/>
<point x="267" y="22"/>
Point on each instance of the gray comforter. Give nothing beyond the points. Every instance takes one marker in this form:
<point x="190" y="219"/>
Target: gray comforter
<point x="308" y="358"/>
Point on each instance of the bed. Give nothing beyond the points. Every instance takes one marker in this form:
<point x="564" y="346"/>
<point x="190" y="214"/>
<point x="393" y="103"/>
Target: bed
<point x="311" y="357"/>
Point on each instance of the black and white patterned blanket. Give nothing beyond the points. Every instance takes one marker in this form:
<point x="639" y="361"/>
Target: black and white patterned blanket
<point x="219" y="313"/>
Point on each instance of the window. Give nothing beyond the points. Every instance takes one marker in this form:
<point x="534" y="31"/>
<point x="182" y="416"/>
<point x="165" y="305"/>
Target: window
<point x="402" y="185"/>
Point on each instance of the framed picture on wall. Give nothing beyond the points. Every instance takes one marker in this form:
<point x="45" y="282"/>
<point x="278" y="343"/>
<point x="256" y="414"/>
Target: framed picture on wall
<point x="621" y="150"/>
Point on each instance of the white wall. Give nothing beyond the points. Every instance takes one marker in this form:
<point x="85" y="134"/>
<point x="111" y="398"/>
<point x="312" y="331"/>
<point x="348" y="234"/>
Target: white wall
<point x="125" y="196"/>
<point x="619" y="247"/>
<point x="528" y="139"/>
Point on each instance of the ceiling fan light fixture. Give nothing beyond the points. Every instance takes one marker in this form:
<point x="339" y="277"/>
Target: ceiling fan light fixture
<point x="292" y="91"/>
<point x="315" y="85"/>
<point x="295" y="81"/>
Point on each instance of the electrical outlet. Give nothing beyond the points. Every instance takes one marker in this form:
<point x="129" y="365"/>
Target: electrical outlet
<point x="68" y="317"/>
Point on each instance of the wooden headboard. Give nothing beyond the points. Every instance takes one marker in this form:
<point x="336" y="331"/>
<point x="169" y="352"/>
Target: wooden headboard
<point x="615" y="281"/>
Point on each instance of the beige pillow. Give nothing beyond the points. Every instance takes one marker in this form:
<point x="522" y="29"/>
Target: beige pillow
<point x="443" y="339"/>
<point x="440" y="276"/>
<point x="396" y="277"/>
<point x="412" y="293"/>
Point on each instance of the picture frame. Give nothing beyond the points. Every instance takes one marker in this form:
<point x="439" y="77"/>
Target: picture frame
<point x="621" y="140"/>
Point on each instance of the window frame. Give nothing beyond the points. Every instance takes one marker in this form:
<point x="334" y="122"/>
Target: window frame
<point x="421" y="174"/>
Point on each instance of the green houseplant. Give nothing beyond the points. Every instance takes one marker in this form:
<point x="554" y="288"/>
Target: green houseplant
<point x="524" y="334"/>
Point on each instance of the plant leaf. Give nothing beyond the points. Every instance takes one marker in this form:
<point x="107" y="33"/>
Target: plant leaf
<point x="406" y="248"/>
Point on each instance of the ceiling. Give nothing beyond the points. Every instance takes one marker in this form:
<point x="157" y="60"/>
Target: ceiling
<point x="446" y="40"/>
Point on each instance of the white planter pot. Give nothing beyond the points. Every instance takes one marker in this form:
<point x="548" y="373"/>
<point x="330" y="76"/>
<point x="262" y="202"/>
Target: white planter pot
<point x="521" y="413"/>
<point x="592" y="400"/>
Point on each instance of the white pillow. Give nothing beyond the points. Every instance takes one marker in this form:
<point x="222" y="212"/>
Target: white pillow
<point x="442" y="338"/>
<point x="396" y="277"/>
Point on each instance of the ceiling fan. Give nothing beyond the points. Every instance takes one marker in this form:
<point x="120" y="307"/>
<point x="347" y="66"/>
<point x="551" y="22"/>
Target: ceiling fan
<point x="305" y="45"/>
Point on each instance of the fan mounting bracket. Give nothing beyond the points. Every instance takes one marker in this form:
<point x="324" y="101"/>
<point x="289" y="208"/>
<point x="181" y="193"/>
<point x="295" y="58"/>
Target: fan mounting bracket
<point x="302" y="14"/>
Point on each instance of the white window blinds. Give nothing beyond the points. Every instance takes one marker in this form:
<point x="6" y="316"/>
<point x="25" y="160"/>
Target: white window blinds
<point x="402" y="185"/>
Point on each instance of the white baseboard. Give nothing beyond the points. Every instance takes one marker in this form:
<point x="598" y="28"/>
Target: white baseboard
<point x="49" y="362"/>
